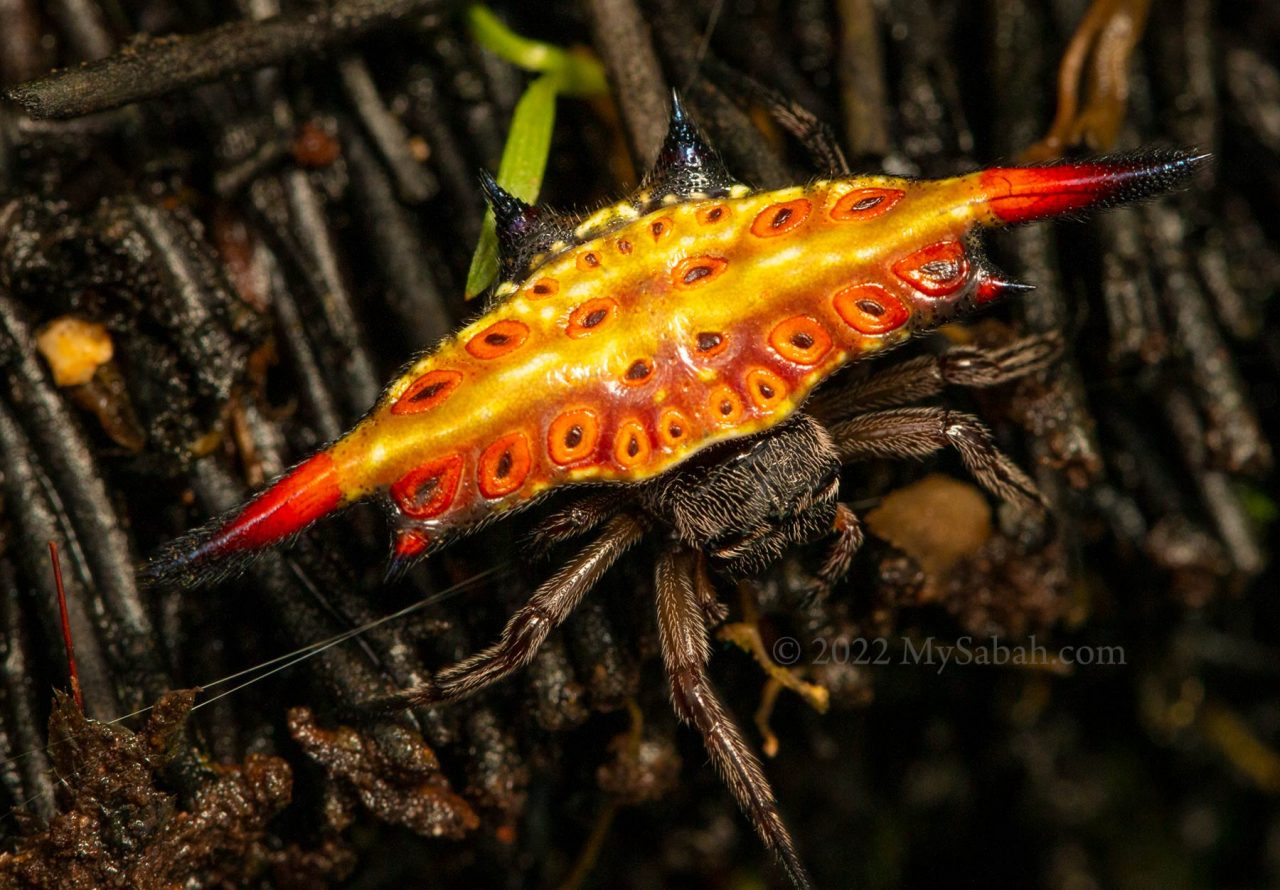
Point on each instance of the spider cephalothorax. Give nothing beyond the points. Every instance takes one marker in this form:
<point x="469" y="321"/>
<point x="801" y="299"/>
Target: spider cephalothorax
<point x="666" y="347"/>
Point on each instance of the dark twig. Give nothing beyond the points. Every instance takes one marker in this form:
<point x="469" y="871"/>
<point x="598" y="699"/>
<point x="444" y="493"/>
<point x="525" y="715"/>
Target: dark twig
<point x="86" y="27"/>
<point x="1235" y="438"/>
<point x="26" y="772"/>
<point x="413" y="182"/>
<point x="412" y="291"/>
<point x="157" y="67"/>
<point x="635" y="77"/>
<point x="314" y="252"/>
<point x="862" y="79"/>
<point x="20" y="52"/>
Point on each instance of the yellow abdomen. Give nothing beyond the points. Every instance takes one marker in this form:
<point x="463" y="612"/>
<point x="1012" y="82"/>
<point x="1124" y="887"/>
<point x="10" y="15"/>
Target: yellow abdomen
<point x="617" y="359"/>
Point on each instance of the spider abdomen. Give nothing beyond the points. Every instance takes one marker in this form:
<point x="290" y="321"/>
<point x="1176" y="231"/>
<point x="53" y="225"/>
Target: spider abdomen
<point x="620" y="357"/>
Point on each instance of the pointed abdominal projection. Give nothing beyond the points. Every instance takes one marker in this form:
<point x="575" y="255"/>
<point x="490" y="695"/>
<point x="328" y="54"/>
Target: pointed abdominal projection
<point x="692" y="313"/>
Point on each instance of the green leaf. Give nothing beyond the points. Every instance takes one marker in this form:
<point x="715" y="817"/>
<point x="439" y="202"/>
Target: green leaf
<point x="581" y="74"/>
<point x="524" y="160"/>
<point x="524" y="157"/>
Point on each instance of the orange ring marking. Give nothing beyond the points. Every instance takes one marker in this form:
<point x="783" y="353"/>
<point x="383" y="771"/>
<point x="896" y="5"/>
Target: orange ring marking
<point x="724" y="405"/>
<point x="588" y="261"/>
<point x="638" y="372"/>
<point x="661" y="228"/>
<point x="867" y="203"/>
<point x="674" y="427"/>
<point x="504" y="465"/>
<point x="631" y="446"/>
<point x="710" y="343"/>
<point x="778" y="219"/>
<point x="573" y="435"/>
<point x="709" y="216"/>
<point x="544" y="287"/>
<point x="765" y="388"/>
<point x="696" y="270"/>
<point x="870" y="309"/>
<point x="498" y="339"/>
<point x="427" y="392"/>
<point x="801" y="339"/>
<point x="428" y="490"/>
<point x="937" y="270"/>
<point x="591" y="316"/>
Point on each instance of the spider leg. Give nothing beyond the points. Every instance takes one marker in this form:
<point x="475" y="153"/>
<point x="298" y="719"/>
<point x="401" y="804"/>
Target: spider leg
<point x="713" y="609"/>
<point x="918" y="432"/>
<point x="929" y="375"/>
<point x="528" y="628"/>
<point x="847" y="531"/>
<point x="682" y="633"/>
<point x="818" y="139"/>
<point x="579" y="517"/>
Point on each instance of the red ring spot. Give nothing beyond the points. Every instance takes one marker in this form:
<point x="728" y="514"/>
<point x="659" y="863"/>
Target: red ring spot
<point x="661" y="228"/>
<point x="591" y="316"/>
<point x="709" y="216"/>
<point x="870" y="309"/>
<point x="428" y="490"/>
<point x="765" y="388"/>
<point x="544" y="287"/>
<point x="674" y="428"/>
<point x="498" y="339"/>
<point x="638" y="372"/>
<point x="631" y="446"/>
<point x="868" y="203"/>
<point x="937" y="270"/>
<point x="588" y="261"/>
<point x="504" y="465"/>
<point x="697" y="270"/>
<point x="427" y="392"/>
<point x="724" y="406"/>
<point x="801" y="339"/>
<point x="573" y="436"/>
<point x="778" y="219"/>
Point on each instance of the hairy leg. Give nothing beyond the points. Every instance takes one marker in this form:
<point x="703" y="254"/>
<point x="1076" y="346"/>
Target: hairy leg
<point x="818" y="139"/>
<point x="919" y="432"/>
<point x="577" y="518"/>
<point x="682" y="632"/>
<point x="713" y="610"/>
<point x="929" y="375"/>
<point x="847" y="531"/>
<point x="528" y="628"/>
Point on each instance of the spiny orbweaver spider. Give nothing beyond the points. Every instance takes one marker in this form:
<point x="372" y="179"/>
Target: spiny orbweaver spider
<point x="666" y="347"/>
